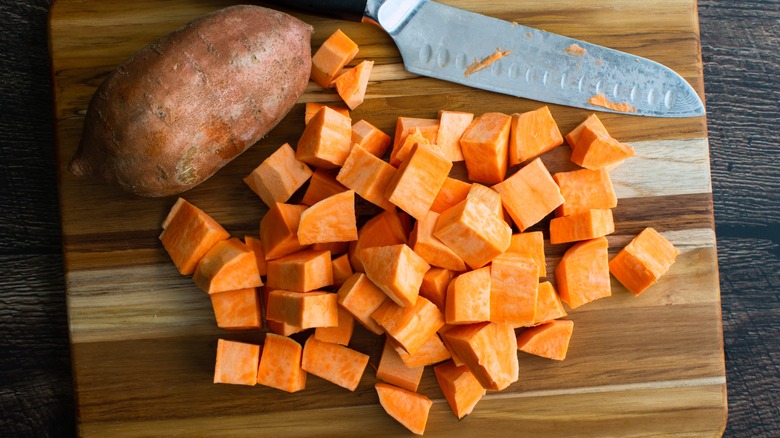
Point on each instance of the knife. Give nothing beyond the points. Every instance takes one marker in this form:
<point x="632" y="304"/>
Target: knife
<point x="448" y="43"/>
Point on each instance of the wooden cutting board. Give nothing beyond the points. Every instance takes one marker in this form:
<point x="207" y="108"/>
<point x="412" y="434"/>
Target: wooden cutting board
<point x="143" y="337"/>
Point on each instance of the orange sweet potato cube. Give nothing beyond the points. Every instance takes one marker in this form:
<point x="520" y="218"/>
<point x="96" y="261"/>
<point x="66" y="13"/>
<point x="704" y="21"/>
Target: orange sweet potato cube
<point x="582" y="275"/>
<point x="473" y="232"/>
<point x="432" y="352"/>
<point x="360" y="297"/>
<point x="405" y="126"/>
<point x="452" y="125"/>
<point x="330" y="220"/>
<point x="335" y="248"/>
<point x="237" y="309"/>
<point x="592" y="122"/>
<point x="335" y="363"/>
<point x="452" y="192"/>
<point x="417" y="181"/>
<point x="303" y="309"/>
<point x="588" y="224"/>
<point x="228" y="265"/>
<point x="351" y="85"/>
<point x="549" y="340"/>
<point x="434" y="286"/>
<point x="596" y="150"/>
<point x="386" y="228"/>
<point x="342" y="269"/>
<point x="397" y="270"/>
<point x="322" y="185"/>
<point x="430" y="248"/>
<point x="485" y="146"/>
<point x="370" y="138"/>
<point x="336" y="52"/>
<point x="341" y="333"/>
<point x="513" y="289"/>
<point x="530" y="194"/>
<point x="410" y="326"/>
<point x="643" y="261"/>
<point x="368" y="176"/>
<point x="278" y="176"/>
<point x="415" y="137"/>
<point x="188" y="233"/>
<point x="530" y="244"/>
<point x="394" y="371"/>
<point x="583" y="190"/>
<point x="279" y="230"/>
<point x="280" y="364"/>
<point x="302" y="271"/>
<point x="489" y="350"/>
<point x="548" y="304"/>
<point x="532" y="134"/>
<point x="236" y="363"/>
<point x="279" y="328"/>
<point x="312" y="108"/>
<point x="469" y="297"/>
<point x="256" y="246"/>
<point x="326" y="140"/>
<point x="459" y="386"/>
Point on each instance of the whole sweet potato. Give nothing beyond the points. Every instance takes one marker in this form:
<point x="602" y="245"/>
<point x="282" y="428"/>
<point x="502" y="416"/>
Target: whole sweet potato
<point x="184" y="106"/>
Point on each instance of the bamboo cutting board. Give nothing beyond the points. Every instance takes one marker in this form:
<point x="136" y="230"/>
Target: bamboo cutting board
<point x="144" y="338"/>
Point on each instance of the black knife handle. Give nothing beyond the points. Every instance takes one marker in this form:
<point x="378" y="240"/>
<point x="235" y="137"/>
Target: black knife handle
<point x="351" y="10"/>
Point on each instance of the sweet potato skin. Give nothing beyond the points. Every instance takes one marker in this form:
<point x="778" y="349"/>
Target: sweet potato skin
<point x="183" y="107"/>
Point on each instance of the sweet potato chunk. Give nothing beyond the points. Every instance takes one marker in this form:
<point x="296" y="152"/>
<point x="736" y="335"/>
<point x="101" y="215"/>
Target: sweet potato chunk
<point x="417" y="181"/>
<point x="303" y="271"/>
<point x="278" y="176"/>
<point x="188" y="233"/>
<point x="236" y="363"/>
<point x="583" y="273"/>
<point x="643" y="261"/>
<point x="530" y="194"/>
<point x="396" y="270"/>
<point x="229" y="265"/>
<point x="280" y="364"/>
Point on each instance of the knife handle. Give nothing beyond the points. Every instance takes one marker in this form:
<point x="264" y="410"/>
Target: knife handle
<point x="352" y="10"/>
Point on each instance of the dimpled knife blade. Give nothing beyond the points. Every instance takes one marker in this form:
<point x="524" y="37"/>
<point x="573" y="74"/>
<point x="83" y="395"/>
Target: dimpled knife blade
<point x="440" y="41"/>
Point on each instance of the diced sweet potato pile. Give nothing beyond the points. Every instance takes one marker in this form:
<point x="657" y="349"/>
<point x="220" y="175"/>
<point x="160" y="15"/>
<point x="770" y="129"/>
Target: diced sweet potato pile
<point x="451" y="273"/>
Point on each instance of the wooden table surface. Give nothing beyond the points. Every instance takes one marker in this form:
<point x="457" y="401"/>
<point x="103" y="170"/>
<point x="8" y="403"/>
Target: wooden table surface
<point x="740" y="71"/>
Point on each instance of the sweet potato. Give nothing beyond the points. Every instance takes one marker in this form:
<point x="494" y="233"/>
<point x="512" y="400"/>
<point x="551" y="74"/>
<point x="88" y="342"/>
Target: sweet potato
<point x="588" y="224"/>
<point x="643" y="261"/>
<point x="431" y="249"/>
<point x="302" y="271"/>
<point x="312" y="108"/>
<point x="351" y="85"/>
<point x="236" y="363"/>
<point x="333" y="362"/>
<point x="341" y="333"/>
<point x="550" y="340"/>
<point x="474" y="232"/>
<point x="452" y="124"/>
<point x="394" y="371"/>
<point x="432" y="352"/>
<point x="397" y="270"/>
<point x="451" y="192"/>
<point x="468" y="297"/>
<point x="303" y="309"/>
<point x="418" y="179"/>
<point x="331" y="57"/>
<point x="530" y="194"/>
<point x="370" y="138"/>
<point x="229" y="265"/>
<point x="585" y="189"/>
<point x="434" y="286"/>
<point x="188" y="233"/>
<point x="386" y="228"/>
<point x="530" y="244"/>
<point x="278" y="176"/>
<point x="330" y="220"/>
<point x="322" y="185"/>
<point x="582" y="275"/>
<point x="154" y="128"/>
<point x="514" y="281"/>
<point x="485" y="146"/>
<point x="280" y="364"/>
<point x="326" y="140"/>
<point x="489" y="350"/>
<point x="407" y="407"/>
<point x="532" y="134"/>
<point x="237" y="309"/>
<point x="459" y="386"/>
<point x="409" y="326"/>
<point x="361" y="298"/>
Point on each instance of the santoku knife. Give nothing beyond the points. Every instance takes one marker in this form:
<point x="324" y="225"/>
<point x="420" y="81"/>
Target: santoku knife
<point x="448" y="43"/>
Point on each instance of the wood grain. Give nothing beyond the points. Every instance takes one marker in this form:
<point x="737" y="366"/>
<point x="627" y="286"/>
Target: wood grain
<point x="739" y="41"/>
<point x="143" y="337"/>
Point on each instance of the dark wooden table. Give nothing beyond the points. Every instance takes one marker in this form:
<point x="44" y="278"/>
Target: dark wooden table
<point x="742" y="74"/>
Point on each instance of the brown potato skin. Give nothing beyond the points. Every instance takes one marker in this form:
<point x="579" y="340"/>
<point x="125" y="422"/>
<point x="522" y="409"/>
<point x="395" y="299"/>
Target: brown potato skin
<point x="186" y="105"/>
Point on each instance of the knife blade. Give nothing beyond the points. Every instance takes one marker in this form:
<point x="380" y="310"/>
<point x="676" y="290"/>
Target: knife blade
<point x="444" y="42"/>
